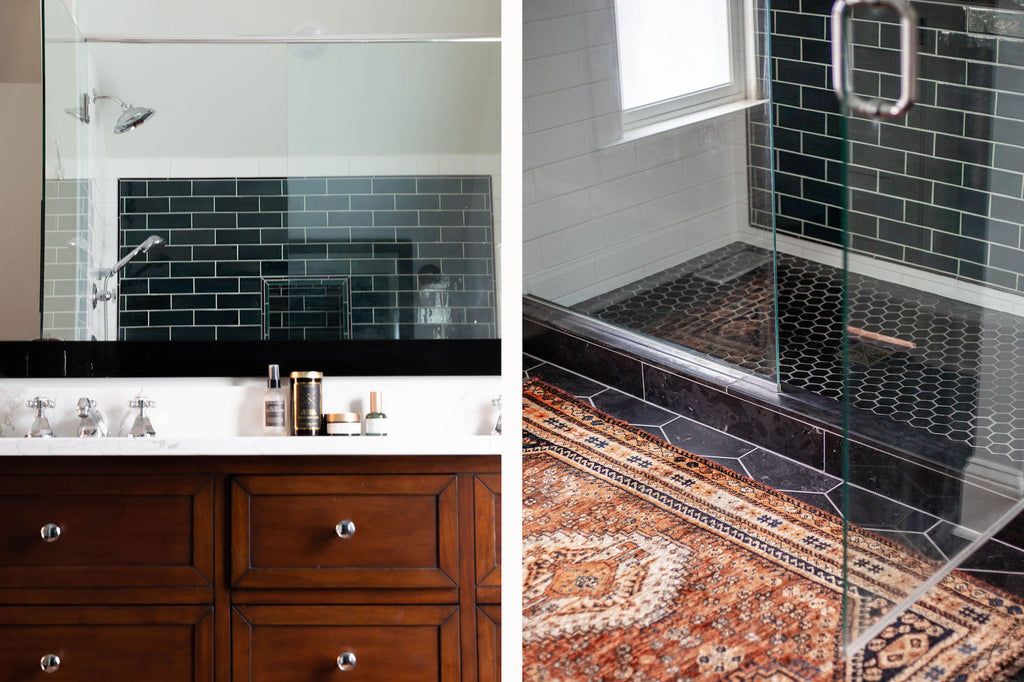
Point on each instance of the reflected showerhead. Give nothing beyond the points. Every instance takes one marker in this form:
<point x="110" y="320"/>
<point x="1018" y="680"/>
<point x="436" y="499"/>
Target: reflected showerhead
<point x="131" y="117"/>
<point x="152" y="242"/>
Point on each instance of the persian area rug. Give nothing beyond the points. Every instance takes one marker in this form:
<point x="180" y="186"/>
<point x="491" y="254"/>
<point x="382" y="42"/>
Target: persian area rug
<point x="646" y="563"/>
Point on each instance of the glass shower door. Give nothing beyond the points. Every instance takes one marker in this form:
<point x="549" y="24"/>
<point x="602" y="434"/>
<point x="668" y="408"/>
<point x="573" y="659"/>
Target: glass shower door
<point x="933" y="272"/>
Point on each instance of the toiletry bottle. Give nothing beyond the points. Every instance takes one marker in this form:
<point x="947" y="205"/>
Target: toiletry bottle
<point x="275" y="401"/>
<point x="307" y="403"/>
<point x="376" y="421"/>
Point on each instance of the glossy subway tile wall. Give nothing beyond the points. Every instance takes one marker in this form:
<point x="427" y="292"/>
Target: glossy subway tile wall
<point x="309" y="257"/>
<point x="939" y="190"/>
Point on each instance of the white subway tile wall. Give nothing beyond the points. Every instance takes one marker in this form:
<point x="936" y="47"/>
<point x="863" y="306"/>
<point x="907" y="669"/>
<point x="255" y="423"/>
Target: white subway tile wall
<point x="600" y="210"/>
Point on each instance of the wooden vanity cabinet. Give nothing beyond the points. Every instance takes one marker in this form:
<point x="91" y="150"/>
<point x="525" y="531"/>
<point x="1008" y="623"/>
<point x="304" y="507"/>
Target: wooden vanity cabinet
<point x="251" y="568"/>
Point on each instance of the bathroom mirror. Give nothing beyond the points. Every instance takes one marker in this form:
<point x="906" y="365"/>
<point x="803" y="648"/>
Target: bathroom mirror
<point x="246" y="187"/>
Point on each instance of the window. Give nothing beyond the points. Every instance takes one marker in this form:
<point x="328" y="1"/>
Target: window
<point x="677" y="57"/>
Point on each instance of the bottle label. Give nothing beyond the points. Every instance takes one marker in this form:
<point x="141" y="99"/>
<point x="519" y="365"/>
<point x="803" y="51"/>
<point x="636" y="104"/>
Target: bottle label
<point x="306" y="408"/>
<point x="375" y="426"/>
<point x="274" y="413"/>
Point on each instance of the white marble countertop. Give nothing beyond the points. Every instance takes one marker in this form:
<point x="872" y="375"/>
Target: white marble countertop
<point x="246" y="445"/>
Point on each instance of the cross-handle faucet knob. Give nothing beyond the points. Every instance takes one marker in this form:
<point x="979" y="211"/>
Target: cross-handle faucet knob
<point x="141" y="427"/>
<point x="40" y="425"/>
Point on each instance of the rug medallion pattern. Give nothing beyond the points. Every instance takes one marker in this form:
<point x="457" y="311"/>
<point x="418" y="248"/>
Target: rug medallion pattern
<point x="645" y="563"/>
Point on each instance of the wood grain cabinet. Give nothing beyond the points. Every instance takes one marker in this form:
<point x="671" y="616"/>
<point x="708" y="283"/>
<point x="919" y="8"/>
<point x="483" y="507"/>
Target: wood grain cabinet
<point x="106" y="531"/>
<point x="112" y="644"/>
<point x="418" y="643"/>
<point x="397" y="531"/>
<point x="274" y="568"/>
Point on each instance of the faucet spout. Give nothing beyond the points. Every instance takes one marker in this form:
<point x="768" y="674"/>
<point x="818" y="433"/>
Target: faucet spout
<point x="92" y="422"/>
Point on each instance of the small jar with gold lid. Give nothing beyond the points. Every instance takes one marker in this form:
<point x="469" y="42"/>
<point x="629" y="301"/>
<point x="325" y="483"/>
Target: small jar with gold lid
<point x="343" y="424"/>
<point x="307" y="403"/>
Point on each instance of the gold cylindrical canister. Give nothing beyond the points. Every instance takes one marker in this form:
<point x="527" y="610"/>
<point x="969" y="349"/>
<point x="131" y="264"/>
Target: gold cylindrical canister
<point x="307" y="403"/>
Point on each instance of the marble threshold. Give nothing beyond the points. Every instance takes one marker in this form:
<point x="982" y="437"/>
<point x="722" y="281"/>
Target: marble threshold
<point x="420" y="444"/>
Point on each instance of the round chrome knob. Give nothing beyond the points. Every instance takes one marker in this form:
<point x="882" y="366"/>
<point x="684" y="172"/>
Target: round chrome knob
<point x="50" y="663"/>
<point x="50" y="532"/>
<point x="347" y="661"/>
<point x="345" y="529"/>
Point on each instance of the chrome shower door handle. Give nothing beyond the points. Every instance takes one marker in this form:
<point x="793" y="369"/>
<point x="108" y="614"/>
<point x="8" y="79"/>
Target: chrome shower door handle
<point x="842" y="63"/>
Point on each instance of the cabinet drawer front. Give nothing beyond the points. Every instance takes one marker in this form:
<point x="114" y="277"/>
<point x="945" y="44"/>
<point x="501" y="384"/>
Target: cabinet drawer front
<point x="345" y="531"/>
<point x="106" y="531"/>
<point x="113" y="644"/>
<point x="304" y="644"/>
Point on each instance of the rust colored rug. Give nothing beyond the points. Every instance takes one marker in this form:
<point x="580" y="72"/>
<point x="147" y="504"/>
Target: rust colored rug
<point x="646" y="563"/>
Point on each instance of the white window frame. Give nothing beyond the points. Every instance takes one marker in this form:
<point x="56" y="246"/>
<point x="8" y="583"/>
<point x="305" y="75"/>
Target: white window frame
<point x="701" y="100"/>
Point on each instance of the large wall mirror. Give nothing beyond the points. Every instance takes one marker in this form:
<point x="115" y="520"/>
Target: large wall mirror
<point x="224" y="186"/>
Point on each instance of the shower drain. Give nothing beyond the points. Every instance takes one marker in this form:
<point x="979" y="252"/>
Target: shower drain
<point x="867" y="355"/>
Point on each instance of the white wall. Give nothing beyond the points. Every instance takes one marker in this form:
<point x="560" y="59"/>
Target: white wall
<point x="598" y="214"/>
<point x="21" y="93"/>
<point x="276" y="17"/>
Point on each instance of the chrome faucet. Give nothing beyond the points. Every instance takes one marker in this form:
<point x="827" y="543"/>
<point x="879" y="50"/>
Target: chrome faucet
<point x="92" y="422"/>
<point x="40" y="425"/>
<point x="141" y="427"/>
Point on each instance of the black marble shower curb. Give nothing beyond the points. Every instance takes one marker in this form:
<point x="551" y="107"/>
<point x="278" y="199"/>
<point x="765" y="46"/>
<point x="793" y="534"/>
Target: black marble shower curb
<point x="919" y="468"/>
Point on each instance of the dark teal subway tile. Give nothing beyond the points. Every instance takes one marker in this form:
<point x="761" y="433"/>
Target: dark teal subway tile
<point x="349" y="186"/>
<point x="219" y="187"/>
<point x="191" y="204"/>
<point x="260" y="187"/>
<point x="238" y="235"/>
<point x="214" y="220"/>
<point x="331" y="202"/>
<point x="170" y="285"/>
<point x="281" y="203"/>
<point x="236" y="204"/>
<point x="260" y="219"/>
<point x="294" y="186"/>
<point x="169" y="188"/>
<point x="395" y="218"/>
<point x="193" y="301"/>
<point x="201" y="253"/>
<point x="215" y="285"/>
<point x="131" y="205"/>
<point x="372" y="202"/>
<point x="438" y="185"/>
<point x="240" y="268"/>
<point x="386" y="185"/>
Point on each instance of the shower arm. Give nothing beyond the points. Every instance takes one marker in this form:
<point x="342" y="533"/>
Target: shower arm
<point x="107" y="273"/>
<point x="120" y="101"/>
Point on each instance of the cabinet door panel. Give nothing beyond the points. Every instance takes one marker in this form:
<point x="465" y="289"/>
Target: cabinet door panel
<point x="303" y="644"/>
<point x="488" y="635"/>
<point x="487" y="528"/>
<point x="404" y="532"/>
<point x="113" y="644"/>
<point x="106" y="531"/>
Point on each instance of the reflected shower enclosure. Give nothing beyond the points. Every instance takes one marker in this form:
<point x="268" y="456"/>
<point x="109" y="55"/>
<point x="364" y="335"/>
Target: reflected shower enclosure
<point x="282" y="157"/>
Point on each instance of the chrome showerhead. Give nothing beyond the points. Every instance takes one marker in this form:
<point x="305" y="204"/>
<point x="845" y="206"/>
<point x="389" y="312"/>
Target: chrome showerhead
<point x="131" y="117"/>
<point x="151" y="242"/>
